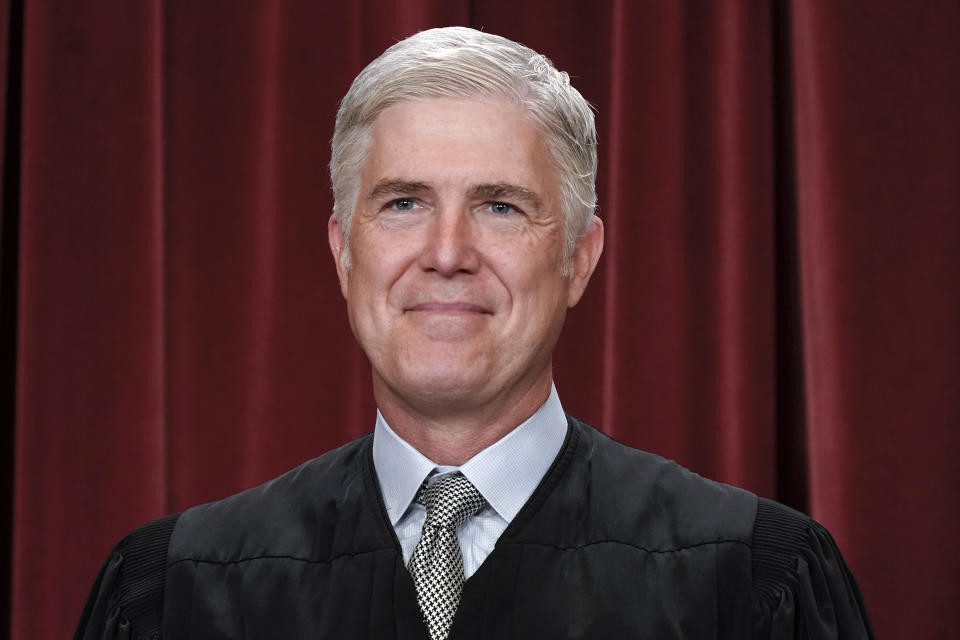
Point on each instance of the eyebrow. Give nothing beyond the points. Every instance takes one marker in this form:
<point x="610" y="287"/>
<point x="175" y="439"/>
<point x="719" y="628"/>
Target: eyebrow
<point x="397" y="188"/>
<point x="506" y="191"/>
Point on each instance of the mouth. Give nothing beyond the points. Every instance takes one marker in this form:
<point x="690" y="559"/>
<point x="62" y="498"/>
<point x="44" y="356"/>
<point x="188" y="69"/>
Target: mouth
<point x="448" y="307"/>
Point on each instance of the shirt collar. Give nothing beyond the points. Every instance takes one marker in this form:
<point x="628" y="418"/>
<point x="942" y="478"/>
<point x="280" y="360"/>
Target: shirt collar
<point x="506" y="473"/>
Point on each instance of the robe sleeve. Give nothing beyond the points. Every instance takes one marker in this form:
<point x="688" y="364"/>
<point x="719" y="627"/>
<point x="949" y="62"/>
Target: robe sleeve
<point x="126" y="601"/>
<point x="802" y="588"/>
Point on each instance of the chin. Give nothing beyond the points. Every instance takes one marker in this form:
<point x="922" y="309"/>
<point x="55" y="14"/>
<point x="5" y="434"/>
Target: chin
<point x="463" y="382"/>
<point x="436" y="360"/>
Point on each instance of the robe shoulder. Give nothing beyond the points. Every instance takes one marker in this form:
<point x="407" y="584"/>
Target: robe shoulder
<point x="272" y="519"/>
<point x="800" y="585"/>
<point x="326" y="507"/>
<point x="126" y="600"/>
<point x="614" y="493"/>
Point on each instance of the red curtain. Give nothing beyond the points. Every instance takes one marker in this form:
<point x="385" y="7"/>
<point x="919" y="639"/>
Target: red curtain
<point x="778" y="305"/>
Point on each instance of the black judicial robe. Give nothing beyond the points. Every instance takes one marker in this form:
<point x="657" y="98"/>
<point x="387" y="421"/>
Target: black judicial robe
<point x="614" y="543"/>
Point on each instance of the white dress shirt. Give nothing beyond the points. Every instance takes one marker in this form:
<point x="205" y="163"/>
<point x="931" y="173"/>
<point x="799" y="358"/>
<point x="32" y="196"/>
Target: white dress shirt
<point x="506" y="474"/>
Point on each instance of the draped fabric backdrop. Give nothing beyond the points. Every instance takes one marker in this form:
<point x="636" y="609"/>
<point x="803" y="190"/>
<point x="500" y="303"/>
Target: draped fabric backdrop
<point x="778" y="306"/>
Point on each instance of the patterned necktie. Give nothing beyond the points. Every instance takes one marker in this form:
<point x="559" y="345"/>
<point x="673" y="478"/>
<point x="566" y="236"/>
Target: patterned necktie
<point x="436" y="565"/>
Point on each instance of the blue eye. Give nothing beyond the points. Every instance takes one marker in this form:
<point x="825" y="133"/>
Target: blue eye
<point x="501" y="208"/>
<point x="404" y="204"/>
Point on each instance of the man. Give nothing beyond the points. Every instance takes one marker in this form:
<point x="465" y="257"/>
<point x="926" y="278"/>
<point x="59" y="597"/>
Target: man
<point x="463" y="171"/>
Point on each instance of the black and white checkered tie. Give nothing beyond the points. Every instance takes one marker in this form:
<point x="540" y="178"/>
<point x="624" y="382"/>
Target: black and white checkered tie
<point x="436" y="565"/>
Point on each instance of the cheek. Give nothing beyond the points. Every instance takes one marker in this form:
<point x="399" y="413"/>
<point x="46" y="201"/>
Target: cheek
<point x="376" y="267"/>
<point x="529" y="266"/>
<point x="538" y="293"/>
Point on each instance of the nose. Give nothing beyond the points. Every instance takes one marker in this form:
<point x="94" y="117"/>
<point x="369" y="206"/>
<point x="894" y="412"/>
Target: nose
<point x="450" y="243"/>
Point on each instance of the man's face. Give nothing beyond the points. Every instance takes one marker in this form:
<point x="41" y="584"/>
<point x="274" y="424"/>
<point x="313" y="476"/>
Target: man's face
<point x="454" y="289"/>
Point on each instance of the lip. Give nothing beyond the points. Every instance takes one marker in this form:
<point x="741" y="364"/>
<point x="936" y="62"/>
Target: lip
<point x="449" y="307"/>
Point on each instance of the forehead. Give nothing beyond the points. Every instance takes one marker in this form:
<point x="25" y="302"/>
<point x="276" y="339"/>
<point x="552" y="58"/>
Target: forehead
<point x="443" y="140"/>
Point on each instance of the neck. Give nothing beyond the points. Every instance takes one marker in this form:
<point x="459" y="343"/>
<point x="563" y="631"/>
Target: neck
<point x="451" y="435"/>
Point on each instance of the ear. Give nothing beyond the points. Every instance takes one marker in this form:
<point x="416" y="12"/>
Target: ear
<point x="585" y="258"/>
<point x="338" y="245"/>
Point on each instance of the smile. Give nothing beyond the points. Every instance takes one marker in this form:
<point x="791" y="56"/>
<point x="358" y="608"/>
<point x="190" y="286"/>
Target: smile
<point x="449" y="307"/>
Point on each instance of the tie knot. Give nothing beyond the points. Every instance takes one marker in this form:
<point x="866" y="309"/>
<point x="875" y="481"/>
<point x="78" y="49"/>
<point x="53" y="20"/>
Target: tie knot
<point x="450" y="500"/>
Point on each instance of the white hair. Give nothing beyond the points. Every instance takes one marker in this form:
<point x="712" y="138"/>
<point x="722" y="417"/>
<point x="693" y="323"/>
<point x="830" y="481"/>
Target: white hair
<point x="463" y="62"/>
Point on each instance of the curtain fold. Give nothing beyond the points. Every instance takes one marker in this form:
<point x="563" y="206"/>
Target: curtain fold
<point x="877" y="100"/>
<point x="90" y="441"/>
<point x="777" y="306"/>
<point x="11" y="65"/>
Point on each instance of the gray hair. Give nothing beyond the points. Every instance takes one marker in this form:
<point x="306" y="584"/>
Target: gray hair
<point x="463" y="62"/>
